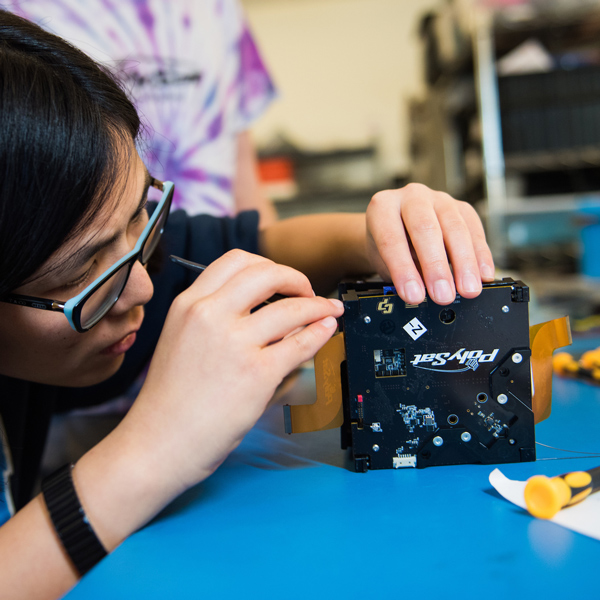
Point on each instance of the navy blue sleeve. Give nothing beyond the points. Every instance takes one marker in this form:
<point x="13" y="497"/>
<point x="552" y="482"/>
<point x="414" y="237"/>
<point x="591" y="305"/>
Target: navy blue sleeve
<point x="203" y="238"/>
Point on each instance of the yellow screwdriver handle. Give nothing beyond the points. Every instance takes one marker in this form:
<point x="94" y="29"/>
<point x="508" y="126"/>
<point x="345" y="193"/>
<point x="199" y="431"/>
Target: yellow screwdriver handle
<point x="545" y="496"/>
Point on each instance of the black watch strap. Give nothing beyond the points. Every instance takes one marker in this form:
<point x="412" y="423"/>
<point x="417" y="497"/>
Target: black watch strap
<point x="70" y="521"/>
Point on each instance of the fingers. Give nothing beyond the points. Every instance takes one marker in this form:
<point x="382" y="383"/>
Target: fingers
<point x="236" y="283"/>
<point x="241" y="281"/>
<point x="465" y="244"/>
<point x="389" y="246"/>
<point x="286" y="317"/>
<point x="219" y="272"/>
<point x="303" y="345"/>
<point x="450" y="241"/>
<point x="251" y="286"/>
<point x="424" y="226"/>
<point x="442" y="232"/>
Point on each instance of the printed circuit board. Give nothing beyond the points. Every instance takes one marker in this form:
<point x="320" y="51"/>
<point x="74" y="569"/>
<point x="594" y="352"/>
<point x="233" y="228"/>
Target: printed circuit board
<point x="426" y="385"/>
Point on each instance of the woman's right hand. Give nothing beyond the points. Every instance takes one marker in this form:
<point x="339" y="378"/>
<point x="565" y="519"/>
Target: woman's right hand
<point x="218" y="364"/>
<point x="215" y="368"/>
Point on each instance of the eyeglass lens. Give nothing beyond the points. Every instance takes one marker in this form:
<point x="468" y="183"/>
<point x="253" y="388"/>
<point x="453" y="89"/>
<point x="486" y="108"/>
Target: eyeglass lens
<point x="154" y="236"/>
<point x="106" y="296"/>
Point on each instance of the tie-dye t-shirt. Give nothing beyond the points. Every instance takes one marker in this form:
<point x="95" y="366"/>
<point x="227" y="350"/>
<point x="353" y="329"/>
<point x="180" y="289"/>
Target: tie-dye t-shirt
<point x="193" y="71"/>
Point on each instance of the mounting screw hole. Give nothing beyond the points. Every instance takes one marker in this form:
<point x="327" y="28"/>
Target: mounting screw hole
<point x="447" y="316"/>
<point x="482" y="397"/>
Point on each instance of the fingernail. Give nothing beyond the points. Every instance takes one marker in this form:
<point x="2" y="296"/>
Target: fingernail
<point x="337" y="303"/>
<point x="470" y="283"/>
<point x="413" y="292"/>
<point x="487" y="272"/>
<point x="329" y="322"/>
<point x="442" y="291"/>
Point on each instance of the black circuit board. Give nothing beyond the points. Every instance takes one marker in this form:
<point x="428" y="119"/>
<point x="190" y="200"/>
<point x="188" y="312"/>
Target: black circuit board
<point x="427" y="385"/>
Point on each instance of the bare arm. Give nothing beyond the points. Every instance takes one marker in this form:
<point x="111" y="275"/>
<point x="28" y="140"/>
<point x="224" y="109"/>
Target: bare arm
<point x="119" y="496"/>
<point x="325" y="247"/>
<point x="168" y="442"/>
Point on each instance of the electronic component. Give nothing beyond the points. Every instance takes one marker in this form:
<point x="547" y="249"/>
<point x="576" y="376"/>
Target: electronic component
<point x="404" y="460"/>
<point x="424" y="385"/>
<point x="390" y="363"/>
<point x="437" y="385"/>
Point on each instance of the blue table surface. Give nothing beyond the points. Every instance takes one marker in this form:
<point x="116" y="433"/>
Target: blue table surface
<point x="284" y="517"/>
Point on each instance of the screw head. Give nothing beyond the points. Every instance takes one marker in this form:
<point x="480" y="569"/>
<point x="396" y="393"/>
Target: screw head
<point x="502" y="398"/>
<point x="517" y="358"/>
<point x="367" y="319"/>
<point x="375" y="448"/>
<point x="505" y="309"/>
<point x="438" y="441"/>
<point x="465" y="436"/>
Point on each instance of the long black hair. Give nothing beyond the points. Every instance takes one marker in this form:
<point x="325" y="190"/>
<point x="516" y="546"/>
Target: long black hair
<point x="64" y="125"/>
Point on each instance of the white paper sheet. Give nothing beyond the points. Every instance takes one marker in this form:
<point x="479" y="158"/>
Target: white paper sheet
<point x="583" y="517"/>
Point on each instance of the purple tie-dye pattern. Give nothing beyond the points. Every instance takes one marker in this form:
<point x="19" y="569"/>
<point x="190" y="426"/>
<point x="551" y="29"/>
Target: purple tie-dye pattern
<point x="109" y="8"/>
<point x="218" y="209"/>
<point x="165" y="159"/>
<point x="201" y="176"/>
<point x="147" y="20"/>
<point x="215" y="128"/>
<point x="210" y="97"/>
<point x="145" y="15"/>
<point x="197" y="151"/>
<point x="253" y="79"/>
<point x="252" y="84"/>
<point x="31" y="9"/>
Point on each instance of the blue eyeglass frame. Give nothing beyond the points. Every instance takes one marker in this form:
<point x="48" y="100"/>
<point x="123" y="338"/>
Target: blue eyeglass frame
<point x="72" y="308"/>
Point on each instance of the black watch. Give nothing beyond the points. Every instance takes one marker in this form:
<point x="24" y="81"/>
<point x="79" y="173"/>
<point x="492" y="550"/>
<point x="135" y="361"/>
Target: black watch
<point x="70" y="521"/>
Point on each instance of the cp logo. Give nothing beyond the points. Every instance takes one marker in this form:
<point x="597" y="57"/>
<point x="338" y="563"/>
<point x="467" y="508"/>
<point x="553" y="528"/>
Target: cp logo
<point x="385" y="307"/>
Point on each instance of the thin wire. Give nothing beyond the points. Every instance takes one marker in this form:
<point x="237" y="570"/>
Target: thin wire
<point x="587" y="454"/>
<point x="564" y="450"/>
<point x="568" y="457"/>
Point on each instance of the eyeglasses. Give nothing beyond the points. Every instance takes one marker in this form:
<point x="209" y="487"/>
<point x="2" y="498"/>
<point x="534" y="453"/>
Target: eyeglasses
<point x="87" y="308"/>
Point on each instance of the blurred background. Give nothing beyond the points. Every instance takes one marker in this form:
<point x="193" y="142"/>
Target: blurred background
<point x="495" y="102"/>
<point x="318" y="104"/>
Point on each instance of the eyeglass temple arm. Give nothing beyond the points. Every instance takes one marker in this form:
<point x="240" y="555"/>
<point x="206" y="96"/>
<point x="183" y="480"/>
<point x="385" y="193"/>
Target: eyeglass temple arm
<point x="156" y="183"/>
<point x="33" y="302"/>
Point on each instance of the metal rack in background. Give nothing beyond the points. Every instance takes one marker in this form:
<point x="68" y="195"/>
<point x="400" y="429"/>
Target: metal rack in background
<point x="532" y="164"/>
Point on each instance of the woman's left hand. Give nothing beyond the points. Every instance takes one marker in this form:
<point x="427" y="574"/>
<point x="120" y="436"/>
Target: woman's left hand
<point x="420" y="238"/>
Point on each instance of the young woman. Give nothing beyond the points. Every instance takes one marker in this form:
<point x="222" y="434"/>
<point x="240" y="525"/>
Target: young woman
<point x="75" y="237"/>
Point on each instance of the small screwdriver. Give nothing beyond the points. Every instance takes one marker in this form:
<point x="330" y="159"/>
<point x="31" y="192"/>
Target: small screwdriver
<point x="545" y="496"/>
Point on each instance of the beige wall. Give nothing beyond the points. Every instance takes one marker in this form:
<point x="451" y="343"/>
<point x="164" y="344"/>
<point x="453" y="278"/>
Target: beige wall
<point x="344" y="69"/>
